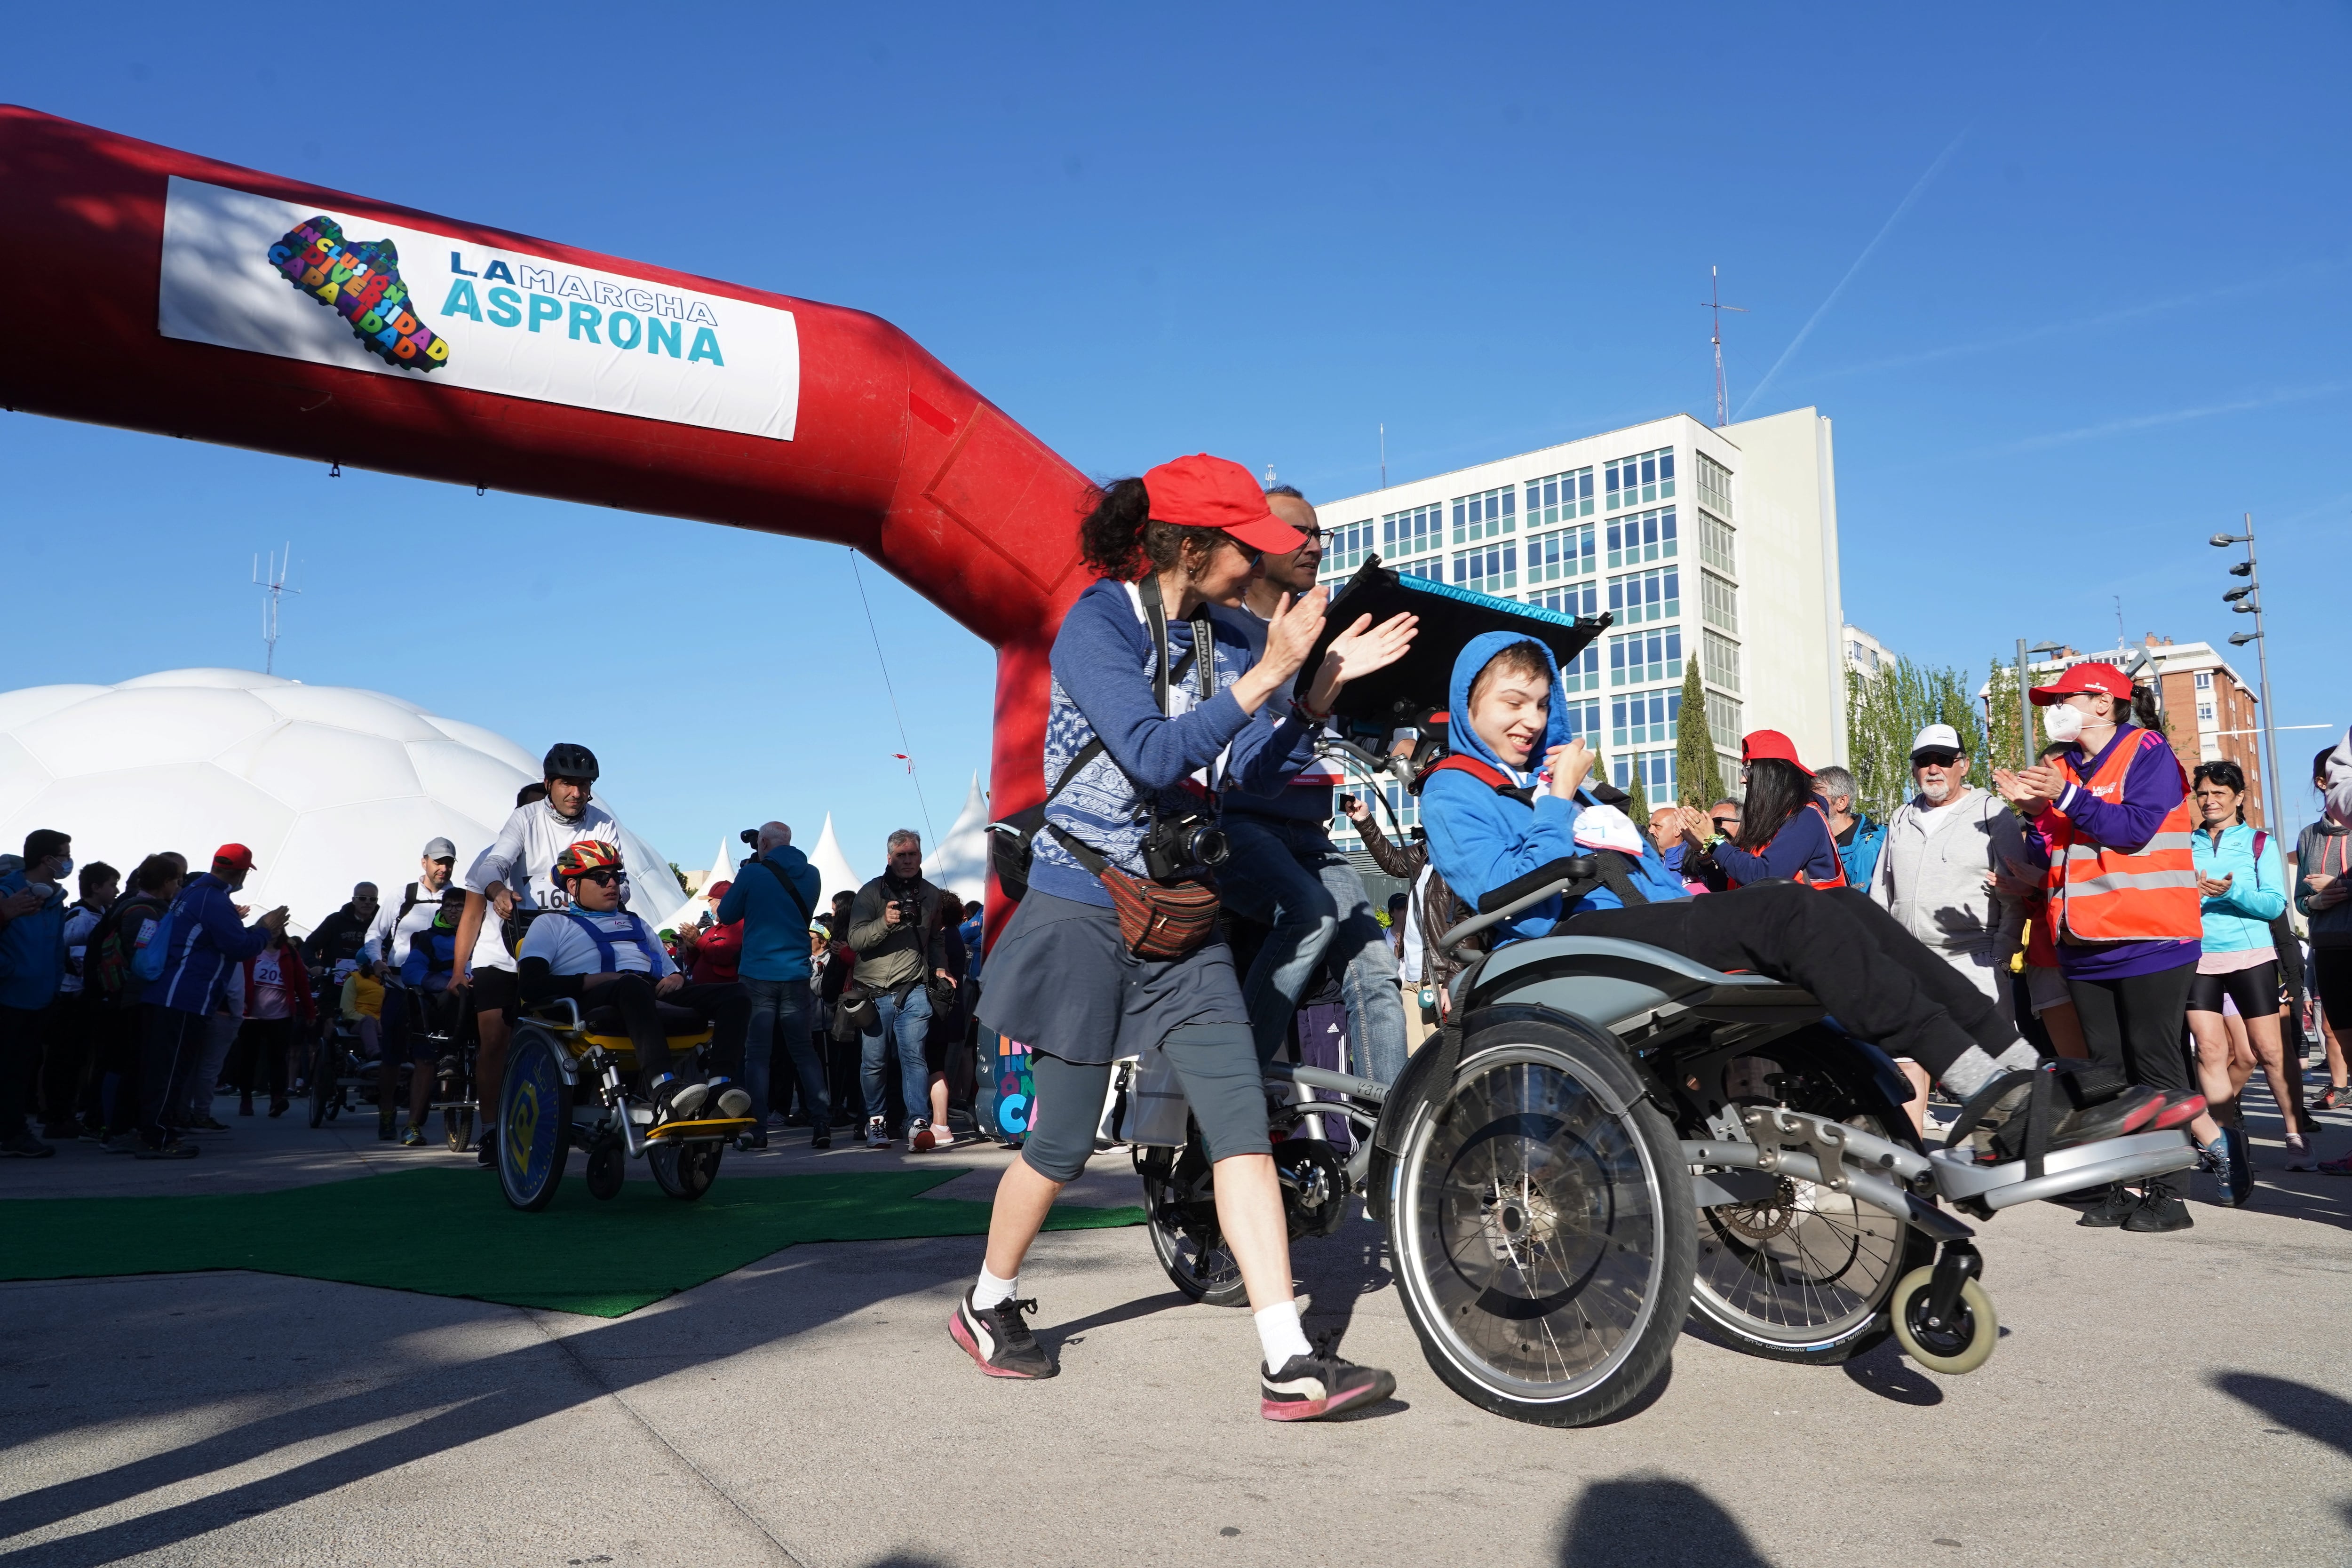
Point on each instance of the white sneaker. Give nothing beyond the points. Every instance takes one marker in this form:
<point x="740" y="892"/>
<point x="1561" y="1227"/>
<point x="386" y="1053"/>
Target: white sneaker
<point x="920" y="1139"/>
<point x="2298" y="1153"/>
<point x="878" y="1135"/>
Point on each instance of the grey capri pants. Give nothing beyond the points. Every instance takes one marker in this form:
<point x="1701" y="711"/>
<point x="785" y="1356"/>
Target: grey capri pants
<point x="1062" y="983"/>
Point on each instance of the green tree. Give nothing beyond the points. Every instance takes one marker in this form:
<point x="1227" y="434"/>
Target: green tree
<point x="1638" y="808"/>
<point x="1885" y="713"/>
<point x="1698" y="772"/>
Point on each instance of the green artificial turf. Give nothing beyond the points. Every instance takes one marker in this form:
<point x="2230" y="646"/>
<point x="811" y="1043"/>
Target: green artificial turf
<point x="450" y="1233"/>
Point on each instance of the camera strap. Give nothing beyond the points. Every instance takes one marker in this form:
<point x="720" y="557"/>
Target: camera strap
<point x="1164" y="675"/>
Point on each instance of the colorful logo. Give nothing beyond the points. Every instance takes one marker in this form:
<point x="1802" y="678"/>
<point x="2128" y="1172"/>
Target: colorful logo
<point x="360" y="281"/>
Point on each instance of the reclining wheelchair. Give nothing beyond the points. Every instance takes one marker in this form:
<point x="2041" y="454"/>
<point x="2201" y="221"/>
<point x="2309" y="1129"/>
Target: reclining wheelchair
<point x="342" y="1078"/>
<point x="1608" y="1138"/>
<point x="570" y="1083"/>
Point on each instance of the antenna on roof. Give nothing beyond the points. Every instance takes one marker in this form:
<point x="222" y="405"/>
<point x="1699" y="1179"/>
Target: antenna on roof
<point x="1384" y="455"/>
<point x="1715" y="302"/>
<point x="273" y="588"/>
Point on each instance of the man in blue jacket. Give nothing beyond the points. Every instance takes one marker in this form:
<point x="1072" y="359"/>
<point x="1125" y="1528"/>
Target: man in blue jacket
<point x="207" y="935"/>
<point x="32" y="967"/>
<point x="773" y="896"/>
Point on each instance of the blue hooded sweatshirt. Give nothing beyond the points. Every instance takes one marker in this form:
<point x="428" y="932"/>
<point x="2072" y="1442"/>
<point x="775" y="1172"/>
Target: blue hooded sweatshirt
<point x="1479" y="840"/>
<point x="775" y="926"/>
<point x="32" y="948"/>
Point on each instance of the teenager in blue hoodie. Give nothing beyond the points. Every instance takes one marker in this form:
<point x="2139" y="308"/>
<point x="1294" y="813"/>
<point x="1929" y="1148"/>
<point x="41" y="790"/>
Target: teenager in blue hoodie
<point x="1513" y="799"/>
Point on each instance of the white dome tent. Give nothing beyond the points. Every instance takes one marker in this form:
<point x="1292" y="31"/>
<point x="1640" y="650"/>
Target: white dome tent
<point x="960" y="863"/>
<point x="834" y="874"/>
<point x="328" y="785"/>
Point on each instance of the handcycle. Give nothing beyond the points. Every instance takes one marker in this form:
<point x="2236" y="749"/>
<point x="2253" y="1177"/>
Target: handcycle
<point x="1608" y="1137"/>
<point x="568" y="1084"/>
<point x="342" y="1080"/>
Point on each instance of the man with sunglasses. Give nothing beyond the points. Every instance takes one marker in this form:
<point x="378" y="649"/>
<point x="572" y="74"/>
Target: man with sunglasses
<point x="594" y="950"/>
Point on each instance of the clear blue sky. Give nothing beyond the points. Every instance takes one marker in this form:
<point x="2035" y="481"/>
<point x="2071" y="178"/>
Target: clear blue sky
<point x="2109" y="321"/>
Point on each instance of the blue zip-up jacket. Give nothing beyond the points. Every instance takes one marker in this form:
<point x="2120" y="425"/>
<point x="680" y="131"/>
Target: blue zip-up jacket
<point x="431" y="972"/>
<point x="2240" y="920"/>
<point x="32" y="949"/>
<point x="206" y="938"/>
<point x="1102" y="663"/>
<point x="775" y="931"/>
<point x="1860" y="853"/>
<point x="1478" y="840"/>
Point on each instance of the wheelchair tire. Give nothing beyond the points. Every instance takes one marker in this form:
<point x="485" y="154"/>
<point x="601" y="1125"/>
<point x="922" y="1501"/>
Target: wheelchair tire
<point x="608" y="1164"/>
<point x="457" y="1127"/>
<point x="319" y="1078"/>
<point x="534" y="1119"/>
<point x="684" y="1170"/>
<point x="1181" y="1214"/>
<point x="1809" y="1275"/>
<point x="1951" y="1348"/>
<point x="1542" y="1240"/>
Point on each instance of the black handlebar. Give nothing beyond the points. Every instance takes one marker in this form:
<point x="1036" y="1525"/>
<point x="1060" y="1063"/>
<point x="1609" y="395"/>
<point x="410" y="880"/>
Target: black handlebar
<point x="1568" y="868"/>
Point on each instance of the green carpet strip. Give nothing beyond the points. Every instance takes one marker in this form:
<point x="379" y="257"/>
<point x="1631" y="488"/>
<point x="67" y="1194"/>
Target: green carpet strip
<point x="448" y="1233"/>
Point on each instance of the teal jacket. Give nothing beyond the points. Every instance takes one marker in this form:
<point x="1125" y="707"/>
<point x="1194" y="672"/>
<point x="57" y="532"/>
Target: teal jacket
<point x="2241" y="919"/>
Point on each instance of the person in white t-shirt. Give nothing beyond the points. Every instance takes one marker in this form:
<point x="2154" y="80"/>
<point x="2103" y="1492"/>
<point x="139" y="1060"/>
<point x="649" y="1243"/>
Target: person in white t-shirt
<point x="592" y="950"/>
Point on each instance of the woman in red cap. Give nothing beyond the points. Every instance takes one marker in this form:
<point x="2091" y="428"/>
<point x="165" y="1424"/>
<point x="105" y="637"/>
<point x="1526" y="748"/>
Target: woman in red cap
<point x="2111" y="821"/>
<point x="1783" y="831"/>
<point x="1156" y="706"/>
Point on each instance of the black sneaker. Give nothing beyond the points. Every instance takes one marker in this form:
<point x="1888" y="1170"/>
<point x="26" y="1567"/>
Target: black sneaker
<point x="2120" y="1203"/>
<point x="998" y="1340"/>
<point x="2239" y="1182"/>
<point x="1310" y="1387"/>
<point x="174" y="1150"/>
<point x="676" y="1099"/>
<point x="485" y="1154"/>
<point x="2159" y="1211"/>
<point x="822" y="1139"/>
<point x="25" y="1146"/>
<point x="734" y="1100"/>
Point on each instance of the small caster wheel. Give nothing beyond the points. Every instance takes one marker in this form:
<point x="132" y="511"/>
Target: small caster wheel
<point x="1952" y="1347"/>
<point x="607" y="1166"/>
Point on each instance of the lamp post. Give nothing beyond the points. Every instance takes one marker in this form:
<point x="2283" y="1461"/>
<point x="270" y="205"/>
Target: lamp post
<point x="2025" y="713"/>
<point x="2248" y="601"/>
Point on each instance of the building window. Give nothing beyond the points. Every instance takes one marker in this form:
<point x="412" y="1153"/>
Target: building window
<point x="1559" y="498"/>
<point x="1582" y="673"/>
<point x="1645" y="657"/>
<point x="1657" y="774"/>
<point x="1715" y="543"/>
<point x="1347" y="548"/>
<point x="2204" y="713"/>
<point x="1487" y="570"/>
<point x="1584" y="722"/>
<point x="1646" y="596"/>
<point x="1714" y="485"/>
<point x="1723" y="725"/>
<point x="1410" y="533"/>
<point x="1639" y="720"/>
<point x="1489" y="514"/>
<point x="1649" y="537"/>
<point x="1718" y="603"/>
<point x="1721" y="663"/>
<point x="1567" y="553"/>
<point x="1576" y="599"/>
<point x="1639" y="481"/>
<point x="2204" y="681"/>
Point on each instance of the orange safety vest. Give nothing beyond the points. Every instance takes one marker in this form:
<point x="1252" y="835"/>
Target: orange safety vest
<point x="2099" y="894"/>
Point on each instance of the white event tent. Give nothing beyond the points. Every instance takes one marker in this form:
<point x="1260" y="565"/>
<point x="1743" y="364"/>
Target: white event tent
<point x="328" y="785"/>
<point x="960" y="863"/>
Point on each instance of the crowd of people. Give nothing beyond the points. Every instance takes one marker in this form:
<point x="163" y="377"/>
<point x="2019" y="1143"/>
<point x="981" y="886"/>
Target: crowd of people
<point x="2103" y="909"/>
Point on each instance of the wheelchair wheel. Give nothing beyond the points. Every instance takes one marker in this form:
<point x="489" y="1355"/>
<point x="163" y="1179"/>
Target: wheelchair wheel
<point x="607" y="1164"/>
<point x="321" y="1077"/>
<point x="1950" y="1348"/>
<point x="684" y="1170"/>
<point x="1805" y="1274"/>
<point x="1179" y="1211"/>
<point x="458" y="1126"/>
<point x="1542" y="1239"/>
<point x="534" y="1119"/>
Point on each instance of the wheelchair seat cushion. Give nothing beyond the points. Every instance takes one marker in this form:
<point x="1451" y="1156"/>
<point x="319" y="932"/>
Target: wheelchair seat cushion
<point x="675" y="1021"/>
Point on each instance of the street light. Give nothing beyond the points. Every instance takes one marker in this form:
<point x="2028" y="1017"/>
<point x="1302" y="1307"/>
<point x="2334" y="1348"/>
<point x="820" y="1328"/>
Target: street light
<point x="2024" y="713"/>
<point x="2248" y="601"/>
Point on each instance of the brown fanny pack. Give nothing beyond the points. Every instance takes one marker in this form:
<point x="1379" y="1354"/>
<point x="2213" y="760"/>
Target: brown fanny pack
<point x="1156" y="919"/>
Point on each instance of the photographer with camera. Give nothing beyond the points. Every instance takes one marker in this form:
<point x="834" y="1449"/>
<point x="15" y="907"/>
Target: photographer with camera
<point x="903" y="931"/>
<point x="773" y="895"/>
<point x="1115" y="947"/>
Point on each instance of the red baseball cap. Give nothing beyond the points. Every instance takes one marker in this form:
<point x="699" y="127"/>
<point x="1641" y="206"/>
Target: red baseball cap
<point x="236" y="857"/>
<point x="1762" y="743"/>
<point x="2081" y="678"/>
<point x="1201" y="491"/>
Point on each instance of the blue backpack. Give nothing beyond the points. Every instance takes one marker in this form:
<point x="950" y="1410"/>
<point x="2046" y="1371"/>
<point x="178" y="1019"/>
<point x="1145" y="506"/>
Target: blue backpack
<point x="154" y="946"/>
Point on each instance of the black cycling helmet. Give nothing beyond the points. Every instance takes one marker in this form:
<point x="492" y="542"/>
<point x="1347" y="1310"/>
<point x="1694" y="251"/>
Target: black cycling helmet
<point x="567" y="761"/>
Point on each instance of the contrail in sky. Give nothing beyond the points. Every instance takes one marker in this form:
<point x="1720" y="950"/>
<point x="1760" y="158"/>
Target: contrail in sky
<point x="2175" y="417"/>
<point x="1883" y="230"/>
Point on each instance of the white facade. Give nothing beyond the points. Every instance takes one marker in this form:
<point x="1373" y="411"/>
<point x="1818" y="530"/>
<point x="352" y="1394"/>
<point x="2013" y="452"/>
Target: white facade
<point x="1864" y="654"/>
<point x="1715" y="543"/>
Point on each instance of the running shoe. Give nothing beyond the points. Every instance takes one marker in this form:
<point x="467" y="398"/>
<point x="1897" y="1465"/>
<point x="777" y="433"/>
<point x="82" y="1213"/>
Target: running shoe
<point x="2298" y="1151"/>
<point x="385" y="1130"/>
<point x="734" y="1099"/>
<point x="2240" y="1184"/>
<point x="2180" y="1106"/>
<point x="25" y="1146"/>
<point x="2337" y="1097"/>
<point x="747" y="1142"/>
<point x="2113" y="1210"/>
<point x="2213" y="1160"/>
<point x="123" y="1143"/>
<point x="877" y="1136"/>
<point x="174" y="1150"/>
<point x="676" y="1100"/>
<point x="1310" y="1387"/>
<point x="244" y="1105"/>
<point x="2335" y="1167"/>
<point x="278" y="1108"/>
<point x="485" y="1154"/>
<point x="999" y="1341"/>
<point x="2159" y="1211"/>
<point x="2129" y="1111"/>
<point x="412" y="1136"/>
<point x="920" y="1139"/>
<point x="823" y="1139"/>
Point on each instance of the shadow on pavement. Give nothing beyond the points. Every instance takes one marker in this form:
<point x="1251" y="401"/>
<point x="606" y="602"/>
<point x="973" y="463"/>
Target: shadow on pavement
<point x="1338" y="1272"/>
<point x="2314" y="1412"/>
<point x="1885" y="1372"/>
<point x="1656" y="1521"/>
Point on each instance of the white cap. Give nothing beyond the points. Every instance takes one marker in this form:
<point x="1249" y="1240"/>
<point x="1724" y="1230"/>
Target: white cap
<point x="1938" y="738"/>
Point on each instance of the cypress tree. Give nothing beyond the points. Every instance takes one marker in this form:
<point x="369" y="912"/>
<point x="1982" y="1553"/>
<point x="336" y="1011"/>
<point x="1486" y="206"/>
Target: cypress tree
<point x="1698" y="772"/>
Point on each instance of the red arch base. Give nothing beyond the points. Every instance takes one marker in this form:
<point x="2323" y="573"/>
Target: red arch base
<point x="892" y="454"/>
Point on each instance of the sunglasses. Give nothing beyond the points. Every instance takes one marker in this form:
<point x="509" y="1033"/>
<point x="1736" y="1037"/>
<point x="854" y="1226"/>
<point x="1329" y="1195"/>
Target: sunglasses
<point x="1254" y="557"/>
<point x="603" y="876"/>
<point x="1934" y="759"/>
<point x="1725" y="824"/>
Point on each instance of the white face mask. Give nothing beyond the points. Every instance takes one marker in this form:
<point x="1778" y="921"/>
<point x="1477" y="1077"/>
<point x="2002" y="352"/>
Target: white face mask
<point x="2062" y="722"/>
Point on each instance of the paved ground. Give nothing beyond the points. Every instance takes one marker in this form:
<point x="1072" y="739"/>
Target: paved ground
<point x="2157" y="1400"/>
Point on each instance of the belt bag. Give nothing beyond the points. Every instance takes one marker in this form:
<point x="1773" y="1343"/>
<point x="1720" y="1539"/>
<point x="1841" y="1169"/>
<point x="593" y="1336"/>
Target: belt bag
<point x="1156" y="919"/>
<point x="853" y="1012"/>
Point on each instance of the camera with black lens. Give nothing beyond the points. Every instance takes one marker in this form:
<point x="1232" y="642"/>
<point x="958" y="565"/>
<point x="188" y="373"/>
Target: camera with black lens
<point x="750" y="836"/>
<point x="1175" y="844"/>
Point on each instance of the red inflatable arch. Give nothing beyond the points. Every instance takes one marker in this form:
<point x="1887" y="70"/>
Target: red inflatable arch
<point x="887" y="451"/>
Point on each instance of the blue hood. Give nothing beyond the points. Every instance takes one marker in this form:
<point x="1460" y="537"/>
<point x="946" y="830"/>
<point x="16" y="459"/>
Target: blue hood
<point x="1461" y="738"/>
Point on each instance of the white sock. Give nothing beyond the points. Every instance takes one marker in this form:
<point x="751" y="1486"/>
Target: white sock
<point x="1279" y="1335"/>
<point x="992" y="1291"/>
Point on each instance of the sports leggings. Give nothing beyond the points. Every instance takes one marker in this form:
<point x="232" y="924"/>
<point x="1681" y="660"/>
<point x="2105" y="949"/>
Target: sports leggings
<point x="2138" y="1023"/>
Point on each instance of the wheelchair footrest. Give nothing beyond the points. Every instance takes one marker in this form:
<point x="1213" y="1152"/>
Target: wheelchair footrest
<point x="2069" y="1170"/>
<point x="692" y="1132"/>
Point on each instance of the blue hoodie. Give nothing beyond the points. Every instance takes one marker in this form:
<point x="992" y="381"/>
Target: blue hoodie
<point x="32" y="949"/>
<point x="1479" y="840"/>
<point x="206" y="938"/>
<point x="775" y="929"/>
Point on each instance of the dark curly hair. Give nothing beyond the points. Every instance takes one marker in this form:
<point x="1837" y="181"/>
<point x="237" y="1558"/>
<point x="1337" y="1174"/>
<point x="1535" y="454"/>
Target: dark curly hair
<point x="2229" y="776"/>
<point x="1119" y="537"/>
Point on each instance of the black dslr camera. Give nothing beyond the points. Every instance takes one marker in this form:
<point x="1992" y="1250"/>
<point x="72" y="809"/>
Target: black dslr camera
<point x="750" y="836"/>
<point x="1174" y="844"/>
